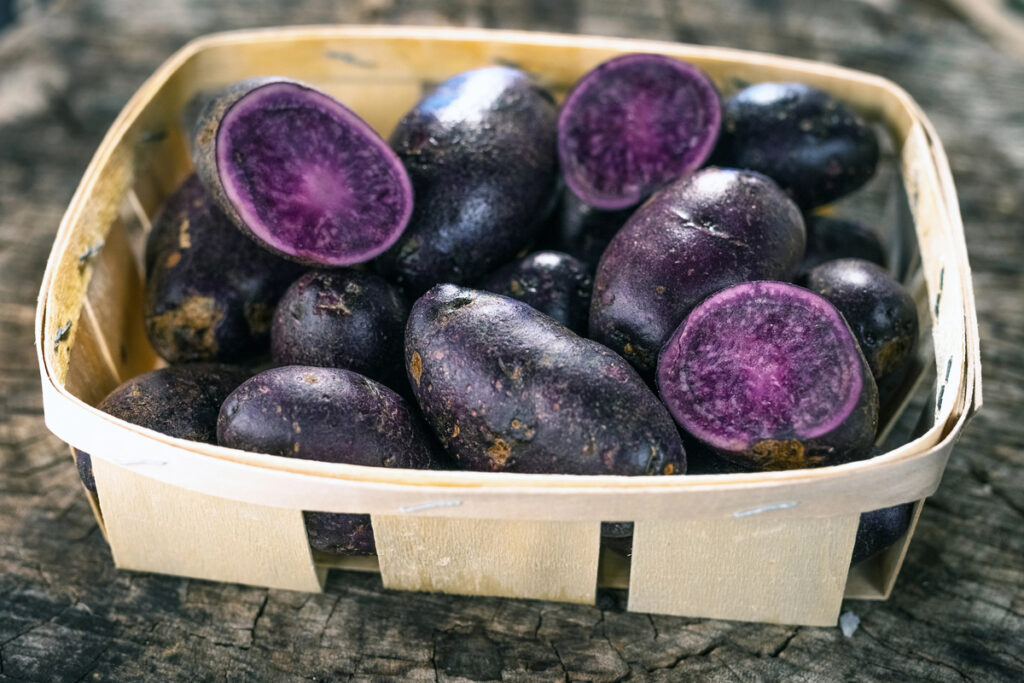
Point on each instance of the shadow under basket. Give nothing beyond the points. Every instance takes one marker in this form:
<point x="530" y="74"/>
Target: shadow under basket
<point x="771" y="547"/>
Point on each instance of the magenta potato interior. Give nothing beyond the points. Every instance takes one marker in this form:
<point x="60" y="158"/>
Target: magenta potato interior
<point x="310" y="178"/>
<point x="761" y="360"/>
<point x="633" y="124"/>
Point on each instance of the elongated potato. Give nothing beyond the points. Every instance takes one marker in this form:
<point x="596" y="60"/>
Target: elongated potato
<point x="480" y="151"/>
<point x="507" y="388"/>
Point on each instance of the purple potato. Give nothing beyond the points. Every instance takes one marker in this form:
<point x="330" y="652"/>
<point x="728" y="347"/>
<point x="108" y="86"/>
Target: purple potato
<point x="582" y="230"/>
<point x="210" y="292"/>
<point x="506" y="388"/>
<point x="770" y="376"/>
<point x="180" y="401"/>
<point x="480" y="150"/>
<point x="331" y="415"/>
<point x="343" y="319"/>
<point x="879" y="529"/>
<point x="881" y="313"/>
<point x="806" y="140"/>
<point x="300" y="173"/>
<point x="830" y="238"/>
<point x="633" y="124"/>
<point x="704" y="232"/>
<point x="552" y="282"/>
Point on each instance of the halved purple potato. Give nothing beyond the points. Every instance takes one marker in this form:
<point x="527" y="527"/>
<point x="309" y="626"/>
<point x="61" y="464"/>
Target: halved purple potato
<point x="343" y="319"/>
<point x="301" y="173"/>
<point x="830" y="238"/>
<point x="881" y="313"/>
<point x="770" y="376"/>
<point x="508" y="389"/>
<point x="582" y="230"/>
<point x="210" y="291"/>
<point x="806" y="140"/>
<point x="481" y="153"/>
<point x="879" y="529"/>
<point x="633" y="124"/>
<point x="552" y="282"/>
<point x="704" y="232"/>
<point x="182" y="401"/>
<point x="331" y="415"/>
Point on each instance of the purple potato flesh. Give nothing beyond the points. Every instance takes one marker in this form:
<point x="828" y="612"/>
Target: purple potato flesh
<point x="881" y="313"/>
<point x="182" y="401"/>
<point x="830" y="238"/>
<point x="343" y="319"/>
<point x="301" y="173"/>
<point x="506" y="388"/>
<point x="805" y="139"/>
<point x="704" y="232"/>
<point x="481" y="153"/>
<point x="879" y="529"/>
<point x="210" y="292"/>
<point x="552" y="282"/>
<point x="330" y="415"/>
<point x="633" y="124"/>
<point x="770" y="376"/>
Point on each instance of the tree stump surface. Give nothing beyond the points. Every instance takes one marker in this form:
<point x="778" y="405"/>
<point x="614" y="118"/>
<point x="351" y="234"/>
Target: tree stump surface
<point x="66" y="614"/>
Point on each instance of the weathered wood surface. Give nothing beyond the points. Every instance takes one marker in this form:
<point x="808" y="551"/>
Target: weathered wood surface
<point x="67" y="615"/>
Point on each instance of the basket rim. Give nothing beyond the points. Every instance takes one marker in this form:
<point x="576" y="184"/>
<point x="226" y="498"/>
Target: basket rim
<point x="59" y="401"/>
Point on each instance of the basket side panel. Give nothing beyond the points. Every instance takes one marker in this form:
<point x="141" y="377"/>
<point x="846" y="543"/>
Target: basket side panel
<point x="783" y="571"/>
<point x="156" y="527"/>
<point x="516" y="559"/>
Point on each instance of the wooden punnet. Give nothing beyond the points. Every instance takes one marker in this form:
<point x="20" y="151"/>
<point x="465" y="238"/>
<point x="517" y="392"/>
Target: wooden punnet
<point x="771" y="547"/>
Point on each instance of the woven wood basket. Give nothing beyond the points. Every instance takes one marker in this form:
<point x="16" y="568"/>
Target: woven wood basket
<point x="771" y="547"/>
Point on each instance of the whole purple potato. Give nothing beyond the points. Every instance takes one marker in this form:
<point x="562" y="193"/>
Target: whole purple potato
<point x="182" y="401"/>
<point x="300" y="173"/>
<point x="879" y="529"/>
<point x="696" y="236"/>
<point x="506" y="388"/>
<point x="210" y="292"/>
<point x="331" y="415"/>
<point x="581" y="230"/>
<point x="480" y="151"/>
<point x="342" y="319"/>
<point x="806" y="140"/>
<point x="552" y="282"/>
<point x="770" y="376"/>
<point x="830" y="238"/>
<point x="881" y="313"/>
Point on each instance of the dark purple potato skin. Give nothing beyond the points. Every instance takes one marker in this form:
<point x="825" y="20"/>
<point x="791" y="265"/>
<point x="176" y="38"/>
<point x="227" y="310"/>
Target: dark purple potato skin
<point x="330" y="415"/>
<point x="806" y="140"/>
<point x="881" y="313"/>
<point x="210" y="292"/>
<point x="633" y="124"/>
<point x="300" y="173"/>
<point x="830" y="238"/>
<point x="710" y="230"/>
<point x="770" y="376"/>
<point x="480" y="151"/>
<point x="182" y="401"/>
<point x="879" y="529"/>
<point x="506" y="388"/>
<point x="343" y="319"/>
<point x="582" y="230"/>
<point x="552" y="282"/>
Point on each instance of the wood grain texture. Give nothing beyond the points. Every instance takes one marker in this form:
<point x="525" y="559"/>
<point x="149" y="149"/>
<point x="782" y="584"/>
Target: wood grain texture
<point x="756" y="568"/>
<point x="540" y="560"/>
<point x="957" y="612"/>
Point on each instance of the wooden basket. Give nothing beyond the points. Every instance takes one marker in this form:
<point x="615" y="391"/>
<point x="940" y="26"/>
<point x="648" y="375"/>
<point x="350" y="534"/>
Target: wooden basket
<point x="769" y="547"/>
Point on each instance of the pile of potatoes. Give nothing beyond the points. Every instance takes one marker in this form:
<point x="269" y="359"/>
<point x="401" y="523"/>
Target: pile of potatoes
<point x="615" y="285"/>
